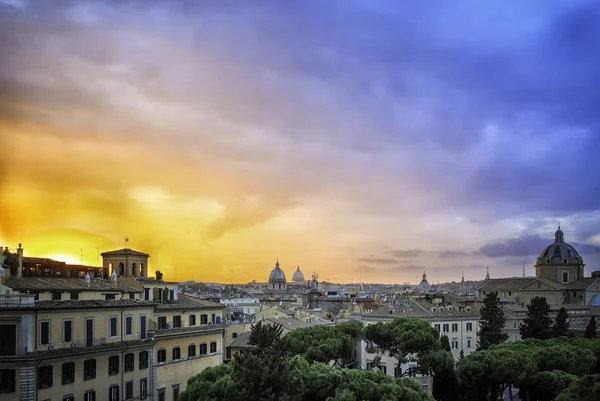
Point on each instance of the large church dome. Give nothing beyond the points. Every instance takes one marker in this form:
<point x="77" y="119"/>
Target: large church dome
<point x="277" y="275"/>
<point x="298" y="276"/>
<point x="559" y="251"/>
<point x="559" y="261"/>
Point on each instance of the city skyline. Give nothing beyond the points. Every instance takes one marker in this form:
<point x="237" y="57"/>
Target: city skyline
<point x="359" y="140"/>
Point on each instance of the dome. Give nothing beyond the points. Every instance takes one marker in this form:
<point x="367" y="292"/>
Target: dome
<point x="424" y="284"/>
<point x="298" y="276"/>
<point x="277" y="275"/>
<point x="559" y="251"/>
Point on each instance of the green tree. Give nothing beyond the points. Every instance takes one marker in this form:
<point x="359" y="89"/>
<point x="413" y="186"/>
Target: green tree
<point x="590" y="330"/>
<point x="586" y="388"/>
<point x="537" y="324"/>
<point x="326" y="343"/>
<point x="404" y="339"/>
<point x="561" y="325"/>
<point x="12" y="261"/>
<point x="491" y="323"/>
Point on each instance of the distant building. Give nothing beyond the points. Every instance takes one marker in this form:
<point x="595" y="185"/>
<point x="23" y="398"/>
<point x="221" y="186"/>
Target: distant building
<point x="298" y="278"/>
<point x="277" y="281"/>
<point x="424" y="285"/>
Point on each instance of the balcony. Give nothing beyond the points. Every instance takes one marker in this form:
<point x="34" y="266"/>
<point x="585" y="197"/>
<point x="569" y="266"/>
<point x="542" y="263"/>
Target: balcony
<point x="16" y="300"/>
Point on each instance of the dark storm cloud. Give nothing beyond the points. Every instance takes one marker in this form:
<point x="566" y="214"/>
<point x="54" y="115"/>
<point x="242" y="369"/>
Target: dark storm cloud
<point x="528" y="245"/>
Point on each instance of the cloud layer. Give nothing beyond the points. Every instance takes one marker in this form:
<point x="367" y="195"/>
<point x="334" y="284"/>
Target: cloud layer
<point x="219" y="137"/>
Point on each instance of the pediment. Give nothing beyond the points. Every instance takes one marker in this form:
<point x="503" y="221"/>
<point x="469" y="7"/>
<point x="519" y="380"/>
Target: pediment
<point x="542" y="285"/>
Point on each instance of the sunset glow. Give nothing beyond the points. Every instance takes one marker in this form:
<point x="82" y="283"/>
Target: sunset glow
<point x="219" y="138"/>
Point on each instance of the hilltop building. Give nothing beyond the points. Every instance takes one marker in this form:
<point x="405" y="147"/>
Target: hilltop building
<point x="559" y="277"/>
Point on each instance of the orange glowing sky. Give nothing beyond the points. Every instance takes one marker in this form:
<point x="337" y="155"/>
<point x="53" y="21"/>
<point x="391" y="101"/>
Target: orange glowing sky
<point x="216" y="146"/>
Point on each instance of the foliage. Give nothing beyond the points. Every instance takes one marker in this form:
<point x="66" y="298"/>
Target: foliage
<point x="12" y="261"/>
<point x="537" y="324"/>
<point x="491" y="323"/>
<point x="586" y="388"/>
<point x="561" y="324"/>
<point x="267" y="372"/>
<point x="404" y="339"/>
<point x="590" y="330"/>
<point x="326" y="343"/>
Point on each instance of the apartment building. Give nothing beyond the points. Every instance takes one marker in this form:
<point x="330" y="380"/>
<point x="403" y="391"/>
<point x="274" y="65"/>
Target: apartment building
<point x="117" y="338"/>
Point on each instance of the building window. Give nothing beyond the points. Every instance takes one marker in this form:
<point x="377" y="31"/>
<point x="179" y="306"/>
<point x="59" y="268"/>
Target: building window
<point x="129" y="362"/>
<point x="446" y="327"/>
<point x="203" y="319"/>
<point x="383" y="369"/>
<point x="454" y="344"/>
<point x="212" y="318"/>
<point x="469" y="326"/>
<point x="7" y="381"/>
<point x="128" y="390"/>
<point x="56" y="296"/>
<point x="69" y="397"/>
<point x="143" y="327"/>
<point x="468" y="343"/>
<point x="128" y="325"/>
<point x="143" y="360"/>
<point x="89" y="369"/>
<point x="176" y="353"/>
<point x="213" y="347"/>
<point x="437" y="326"/>
<point x="162" y="322"/>
<point x="176" y="321"/>
<point x="565" y="277"/>
<point x="203" y="349"/>
<point x="191" y="350"/>
<point x="67" y="330"/>
<point x="176" y="392"/>
<point x="234" y="335"/>
<point x="45" y="374"/>
<point x="74" y="296"/>
<point x="68" y="372"/>
<point x="109" y="297"/>
<point x="454" y="327"/>
<point x="161" y="355"/>
<point x="89" y="395"/>
<point x="113" y="327"/>
<point x="113" y="393"/>
<point x="132" y="295"/>
<point x="89" y="332"/>
<point x="45" y="332"/>
<point x="8" y="339"/>
<point x="192" y="320"/>
<point x="143" y="389"/>
<point x="161" y="394"/>
<point x="113" y="365"/>
<point x="171" y="295"/>
<point x="147" y="294"/>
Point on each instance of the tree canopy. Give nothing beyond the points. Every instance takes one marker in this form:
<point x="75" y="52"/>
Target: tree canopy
<point x="561" y="323"/>
<point x="491" y="323"/>
<point x="537" y="324"/>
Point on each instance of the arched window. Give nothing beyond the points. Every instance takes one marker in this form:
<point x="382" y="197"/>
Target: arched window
<point x="218" y="319"/>
<point x="121" y="269"/>
<point x="110" y="268"/>
<point x="134" y="272"/>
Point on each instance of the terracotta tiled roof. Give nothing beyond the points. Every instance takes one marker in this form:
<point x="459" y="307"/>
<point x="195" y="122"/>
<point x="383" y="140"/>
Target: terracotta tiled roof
<point x="64" y="283"/>
<point x="193" y="329"/>
<point x="187" y="302"/>
<point x="506" y="284"/>
<point x="241" y="341"/>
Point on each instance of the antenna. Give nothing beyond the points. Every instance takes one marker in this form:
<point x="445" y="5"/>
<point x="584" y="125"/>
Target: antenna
<point x="523" y="268"/>
<point x="81" y="256"/>
<point x="98" y="256"/>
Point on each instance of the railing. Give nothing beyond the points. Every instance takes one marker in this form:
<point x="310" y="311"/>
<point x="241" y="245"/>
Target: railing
<point x="17" y="299"/>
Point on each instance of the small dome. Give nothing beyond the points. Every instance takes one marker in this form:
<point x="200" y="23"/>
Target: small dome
<point x="298" y="275"/>
<point x="559" y="251"/>
<point x="277" y="275"/>
<point x="424" y="284"/>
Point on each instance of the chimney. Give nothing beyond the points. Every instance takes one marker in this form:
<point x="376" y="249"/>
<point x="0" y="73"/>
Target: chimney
<point x="20" y="257"/>
<point x="88" y="280"/>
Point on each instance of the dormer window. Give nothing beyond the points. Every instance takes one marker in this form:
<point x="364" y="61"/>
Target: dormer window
<point x="565" y="261"/>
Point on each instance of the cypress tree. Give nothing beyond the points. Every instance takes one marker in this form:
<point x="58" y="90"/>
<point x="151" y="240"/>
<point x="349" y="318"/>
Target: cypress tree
<point x="491" y="323"/>
<point x="561" y="325"/>
<point x="537" y="324"/>
<point x="590" y="330"/>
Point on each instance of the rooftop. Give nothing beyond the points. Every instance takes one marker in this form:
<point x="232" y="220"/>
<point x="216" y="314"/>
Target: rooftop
<point x="64" y="283"/>
<point x="124" y="252"/>
<point x="187" y="302"/>
<point x="192" y="329"/>
<point x="241" y="341"/>
<point x="506" y="284"/>
<point x="92" y="303"/>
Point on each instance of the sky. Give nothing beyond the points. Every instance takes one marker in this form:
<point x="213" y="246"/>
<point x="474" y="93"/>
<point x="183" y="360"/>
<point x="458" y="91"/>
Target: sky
<point x="360" y="140"/>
